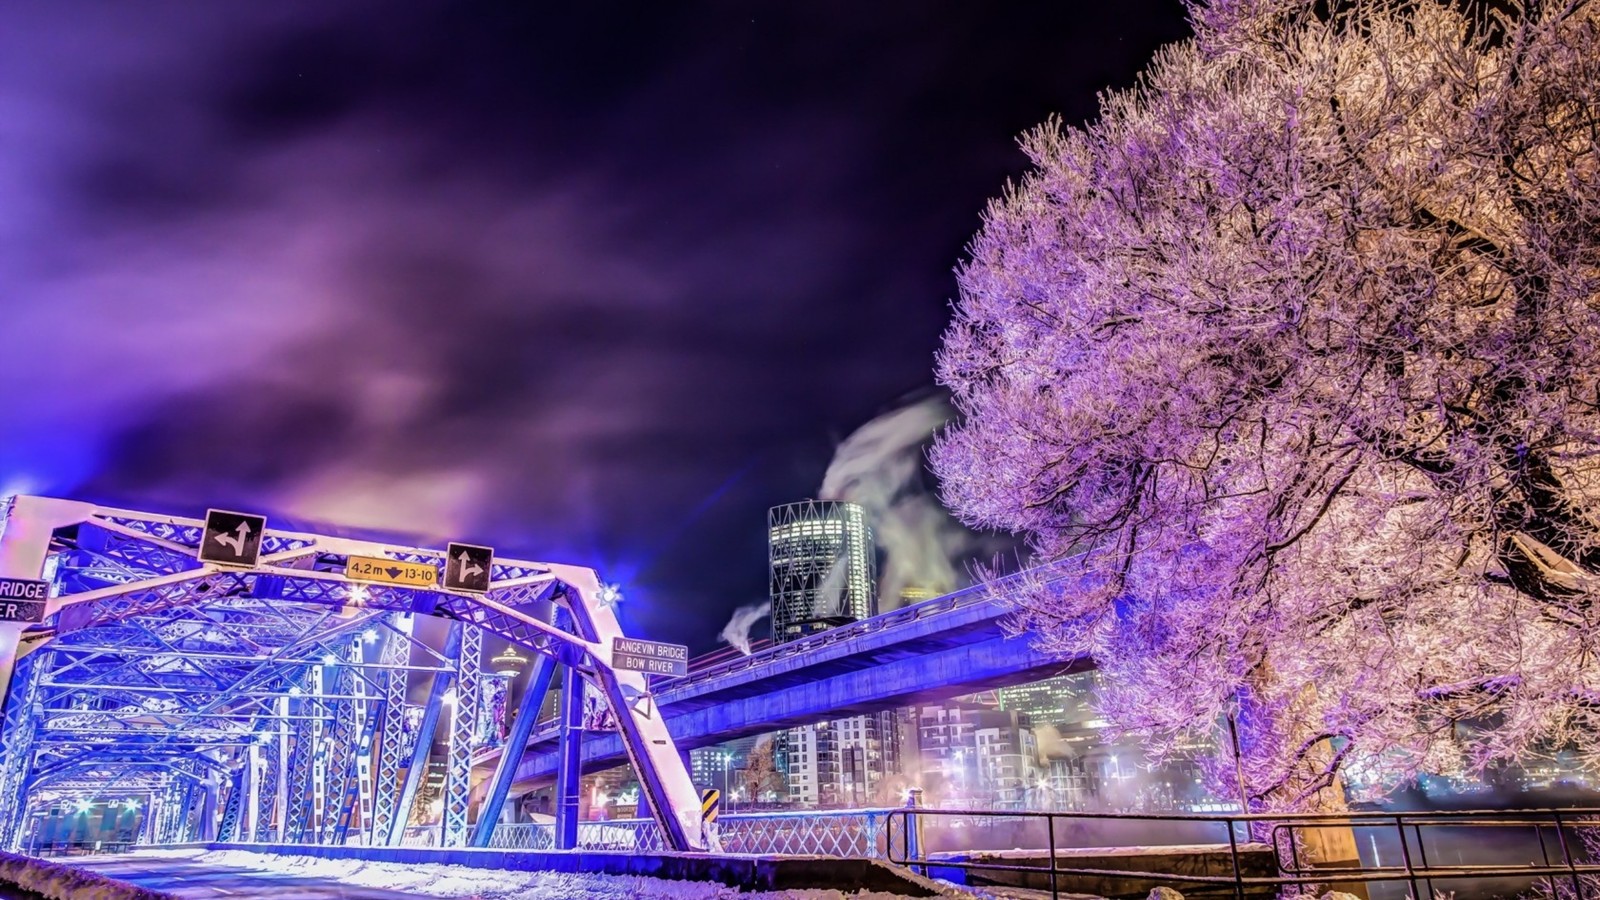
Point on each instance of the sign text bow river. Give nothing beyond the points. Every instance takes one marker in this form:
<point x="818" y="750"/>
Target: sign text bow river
<point x="650" y="657"/>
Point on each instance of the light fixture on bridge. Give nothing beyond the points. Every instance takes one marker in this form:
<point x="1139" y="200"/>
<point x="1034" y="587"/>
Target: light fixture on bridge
<point x="131" y="805"/>
<point x="83" y="806"/>
<point x="610" y="594"/>
<point x="328" y="659"/>
<point x="508" y="663"/>
<point x="370" y="635"/>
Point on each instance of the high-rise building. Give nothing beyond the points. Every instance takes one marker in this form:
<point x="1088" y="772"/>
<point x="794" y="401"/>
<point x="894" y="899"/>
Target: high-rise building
<point x="720" y="766"/>
<point x="1064" y="702"/>
<point x="1008" y="756"/>
<point x="823" y="568"/>
<point x="948" y="749"/>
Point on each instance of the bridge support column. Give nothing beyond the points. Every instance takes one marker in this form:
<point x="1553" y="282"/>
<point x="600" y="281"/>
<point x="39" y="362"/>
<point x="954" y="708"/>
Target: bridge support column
<point x="463" y="734"/>
<point x="674" y="802"/>
<point x="424" y="738"/>
<point x="17" y="730"/>
<point x="280" y="780"/>
<point x="26" y="526"/>
<point x="391" y="733"/>
<point x="250" y="811"/>
<point x="206" y="829"/>
<point x="299" y="811"/>
<point x="570" y="771"/>
<point x="505" y="771"/>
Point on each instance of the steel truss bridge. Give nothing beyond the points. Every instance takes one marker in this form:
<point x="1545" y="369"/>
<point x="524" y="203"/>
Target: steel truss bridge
<point x="271" y="702"/>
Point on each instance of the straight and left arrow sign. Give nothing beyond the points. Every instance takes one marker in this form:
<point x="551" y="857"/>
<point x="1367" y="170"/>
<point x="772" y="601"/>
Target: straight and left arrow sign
<point x="232" y="538"/>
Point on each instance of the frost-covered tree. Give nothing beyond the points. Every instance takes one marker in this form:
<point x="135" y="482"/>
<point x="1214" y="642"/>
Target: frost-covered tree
<point x="1291" y="361"/>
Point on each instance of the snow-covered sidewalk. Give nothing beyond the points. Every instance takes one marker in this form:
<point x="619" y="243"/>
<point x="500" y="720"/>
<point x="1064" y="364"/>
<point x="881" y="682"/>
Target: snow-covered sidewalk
<point x="434" y="880"/>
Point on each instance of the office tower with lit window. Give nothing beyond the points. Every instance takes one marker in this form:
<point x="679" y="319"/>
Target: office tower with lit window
<point x="823" y="568"/>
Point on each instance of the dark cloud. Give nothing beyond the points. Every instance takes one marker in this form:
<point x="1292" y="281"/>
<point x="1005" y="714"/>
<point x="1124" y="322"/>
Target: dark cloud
<point x="596" y="283"/>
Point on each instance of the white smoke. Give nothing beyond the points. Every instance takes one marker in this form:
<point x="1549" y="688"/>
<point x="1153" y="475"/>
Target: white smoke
<point x="881" y="468"/>
<point x="1048" y="740"/>
<point x="831" y="591"/>
<point x="737" y="631"/>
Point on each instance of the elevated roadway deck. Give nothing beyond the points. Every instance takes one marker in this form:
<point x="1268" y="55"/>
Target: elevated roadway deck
<point x="933" y="650"/>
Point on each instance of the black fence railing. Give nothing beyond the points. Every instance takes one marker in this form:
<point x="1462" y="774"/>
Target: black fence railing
<point x="1554" y="853"/>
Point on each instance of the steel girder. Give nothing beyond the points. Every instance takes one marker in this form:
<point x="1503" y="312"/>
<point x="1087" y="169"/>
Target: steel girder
<point x="16" y="747"/>
<point x="463" y="734"/>
<point x="422" y="740"/>
<point x="392" y="750"/>
<point x="234" y="809"/>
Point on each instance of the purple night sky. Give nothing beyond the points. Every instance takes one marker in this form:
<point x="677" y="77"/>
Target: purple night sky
<point x="594" y="283"/>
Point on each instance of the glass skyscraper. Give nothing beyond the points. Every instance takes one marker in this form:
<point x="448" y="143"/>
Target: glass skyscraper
<point x="823" y="567"/>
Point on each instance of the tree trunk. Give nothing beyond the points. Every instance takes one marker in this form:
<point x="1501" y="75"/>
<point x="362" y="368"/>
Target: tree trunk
<point x="1270" y="732"/>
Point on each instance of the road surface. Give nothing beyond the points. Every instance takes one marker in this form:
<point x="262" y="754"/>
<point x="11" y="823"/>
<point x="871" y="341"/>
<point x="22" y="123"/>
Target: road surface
<point x="189" y="879"/>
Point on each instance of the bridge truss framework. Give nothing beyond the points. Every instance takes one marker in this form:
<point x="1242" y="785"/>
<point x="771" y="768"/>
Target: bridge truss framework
<point x="270" y="703"/>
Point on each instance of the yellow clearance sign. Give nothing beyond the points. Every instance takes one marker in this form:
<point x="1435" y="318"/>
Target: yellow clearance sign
<point x="378" y="570"/>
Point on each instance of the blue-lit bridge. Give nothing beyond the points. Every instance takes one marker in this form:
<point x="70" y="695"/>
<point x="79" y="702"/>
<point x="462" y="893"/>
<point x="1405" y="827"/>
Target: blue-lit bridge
<point x="933" y="650"/>
<point x="179" y="693"/>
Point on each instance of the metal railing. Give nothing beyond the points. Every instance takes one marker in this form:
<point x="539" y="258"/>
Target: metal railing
<point x="851" y="833"/>
<point x="1560" y="844"/>
<point x="422" y="836"/>
<point x="855" y="833"/>
<point x="79" y="848"/>
<point x="636" y="835"/>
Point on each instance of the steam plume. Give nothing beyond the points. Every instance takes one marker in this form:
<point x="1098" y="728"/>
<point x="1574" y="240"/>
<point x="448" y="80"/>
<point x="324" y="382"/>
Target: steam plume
<point x="832" y="588"/>
<point x="881" y="468"/>
<point x="737" y="631"/>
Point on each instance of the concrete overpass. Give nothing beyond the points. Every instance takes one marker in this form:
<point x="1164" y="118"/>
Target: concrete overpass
<point x="934" y="650"/>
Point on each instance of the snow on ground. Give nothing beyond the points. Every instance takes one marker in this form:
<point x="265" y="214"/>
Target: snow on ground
<point x="63" y="882"/>
<point x="500" y="884"/>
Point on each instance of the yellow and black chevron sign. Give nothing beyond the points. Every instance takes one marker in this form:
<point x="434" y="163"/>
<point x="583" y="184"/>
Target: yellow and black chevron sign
<point x="710" y="804"/>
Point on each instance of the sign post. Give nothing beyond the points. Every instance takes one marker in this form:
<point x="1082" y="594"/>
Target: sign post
<point x="650" y="657"/>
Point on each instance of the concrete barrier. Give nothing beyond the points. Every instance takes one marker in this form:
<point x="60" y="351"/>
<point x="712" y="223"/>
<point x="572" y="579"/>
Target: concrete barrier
<point x="1120" y="871"/>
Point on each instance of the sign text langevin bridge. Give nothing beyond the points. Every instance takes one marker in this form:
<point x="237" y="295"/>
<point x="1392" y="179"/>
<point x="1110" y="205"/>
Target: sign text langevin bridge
<point x="650" y="657"/>
<point x="23" y="599"/>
